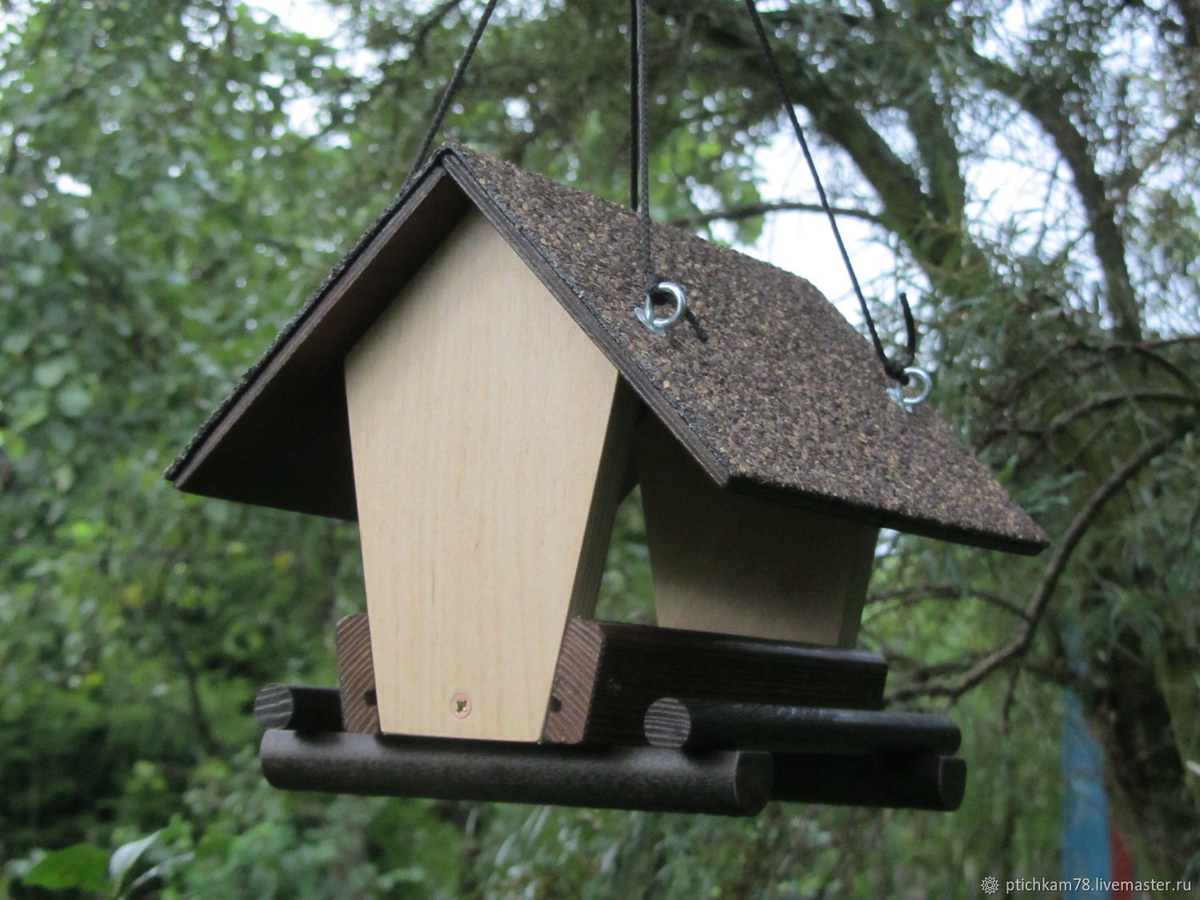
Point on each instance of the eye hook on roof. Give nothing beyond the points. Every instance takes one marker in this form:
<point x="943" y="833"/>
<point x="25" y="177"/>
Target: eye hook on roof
<point x="660" y="324"/>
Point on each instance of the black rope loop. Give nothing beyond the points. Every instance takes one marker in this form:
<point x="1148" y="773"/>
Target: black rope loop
<point x="893" y="366"/>
<point x="896" y="366"/>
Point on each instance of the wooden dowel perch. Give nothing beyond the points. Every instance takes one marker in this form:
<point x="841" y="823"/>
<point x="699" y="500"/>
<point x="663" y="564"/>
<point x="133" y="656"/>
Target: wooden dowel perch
<point x="299" y="708"/>
<point x="900" y="782"/>
<point x="712" y="724"/>
<point x="643" y="778"/>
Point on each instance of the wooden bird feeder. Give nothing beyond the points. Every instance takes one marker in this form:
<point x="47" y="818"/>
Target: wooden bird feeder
<point x="473" y="386"/>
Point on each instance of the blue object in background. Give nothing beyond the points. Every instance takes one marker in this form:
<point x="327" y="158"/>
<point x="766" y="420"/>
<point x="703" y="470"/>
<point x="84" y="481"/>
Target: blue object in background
<point x="1086" y="834"/>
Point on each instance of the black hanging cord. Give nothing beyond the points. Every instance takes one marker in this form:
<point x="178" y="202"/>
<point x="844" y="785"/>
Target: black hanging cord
<point x="640" y="191"/>
<point x="456" y="80"/>
<point x="639" y="155"/>
<point x="635" y="125"/>
<point x="894" y="366"/>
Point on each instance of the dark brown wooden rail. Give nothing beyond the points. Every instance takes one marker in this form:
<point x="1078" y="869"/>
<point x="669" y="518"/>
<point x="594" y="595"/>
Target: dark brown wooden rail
<point x="643" y="778"/>
<point x="609" y="673"/>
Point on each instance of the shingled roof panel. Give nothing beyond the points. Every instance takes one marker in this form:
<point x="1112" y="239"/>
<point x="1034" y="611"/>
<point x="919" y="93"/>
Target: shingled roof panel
<point x="783" y="398"/>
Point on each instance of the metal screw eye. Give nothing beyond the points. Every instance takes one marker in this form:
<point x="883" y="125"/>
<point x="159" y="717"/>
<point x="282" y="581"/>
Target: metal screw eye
<point x="645" y="312"/>
<point x="905" y="402"/>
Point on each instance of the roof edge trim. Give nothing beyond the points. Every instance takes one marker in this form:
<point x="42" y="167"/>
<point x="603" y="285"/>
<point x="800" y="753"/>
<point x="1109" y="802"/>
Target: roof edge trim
<point x="244" y="391"/>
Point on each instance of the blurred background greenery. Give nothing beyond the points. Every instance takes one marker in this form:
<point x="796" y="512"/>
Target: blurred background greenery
<point x="177" y="175"/>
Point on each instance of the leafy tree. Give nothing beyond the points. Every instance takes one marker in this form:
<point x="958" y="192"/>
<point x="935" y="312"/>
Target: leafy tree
<point x="156" y="210"/>
<point x="177" y="175"/>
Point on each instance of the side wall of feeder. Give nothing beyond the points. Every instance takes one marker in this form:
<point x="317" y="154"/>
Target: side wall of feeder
<point x="479" y="417"/>
<point x="734" y="564"/>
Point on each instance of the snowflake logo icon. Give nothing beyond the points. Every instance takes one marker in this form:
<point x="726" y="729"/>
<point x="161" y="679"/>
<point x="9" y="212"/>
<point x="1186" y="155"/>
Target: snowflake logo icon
<point x="990" y="885"/>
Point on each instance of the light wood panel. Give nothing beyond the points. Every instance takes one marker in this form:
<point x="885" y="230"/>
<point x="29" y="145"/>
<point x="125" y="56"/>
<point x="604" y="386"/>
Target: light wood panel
<point x="733" y="564"/>
<point x="478" y="416"/>
<point x="614" y="481"/>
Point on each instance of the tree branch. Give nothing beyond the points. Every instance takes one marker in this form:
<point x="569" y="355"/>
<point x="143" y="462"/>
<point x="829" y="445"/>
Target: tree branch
<point x="1047" y="104"/>
<point x="1100" y="404"/>
<point x="905" y="597"/>
<point x="907" y="209"/>
<point x="161" y="610"/>
<point x="1040" y="599"/>
<point x="1145" y="349"/>
<point x="753" y="210"/>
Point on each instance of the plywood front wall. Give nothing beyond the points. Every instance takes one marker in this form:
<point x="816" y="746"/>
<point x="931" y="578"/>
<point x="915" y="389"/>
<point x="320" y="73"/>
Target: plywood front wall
<point x="478" y="415"/>
<point x="739" y="565"/>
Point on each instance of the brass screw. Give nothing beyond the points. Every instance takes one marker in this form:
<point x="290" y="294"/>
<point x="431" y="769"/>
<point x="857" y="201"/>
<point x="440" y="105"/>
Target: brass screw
<point x="461" y="706"/>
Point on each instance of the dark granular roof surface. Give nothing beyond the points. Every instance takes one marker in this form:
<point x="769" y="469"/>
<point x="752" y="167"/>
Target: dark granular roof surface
<point x="782" y="398"/>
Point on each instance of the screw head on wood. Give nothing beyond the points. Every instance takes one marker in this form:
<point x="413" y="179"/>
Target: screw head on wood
<point x="461" y="705"/>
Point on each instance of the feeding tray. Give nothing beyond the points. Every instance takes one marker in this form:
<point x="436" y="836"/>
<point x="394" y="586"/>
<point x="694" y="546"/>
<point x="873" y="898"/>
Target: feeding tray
<point x="766" y="720"/>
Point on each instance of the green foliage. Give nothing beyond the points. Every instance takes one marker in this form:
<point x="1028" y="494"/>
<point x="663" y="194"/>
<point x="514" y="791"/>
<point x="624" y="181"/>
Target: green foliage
<point x="81" y="866"/>
<point x="151" y="177"/>
<point x="94" y="871"/>
<point x="239" y="831"/>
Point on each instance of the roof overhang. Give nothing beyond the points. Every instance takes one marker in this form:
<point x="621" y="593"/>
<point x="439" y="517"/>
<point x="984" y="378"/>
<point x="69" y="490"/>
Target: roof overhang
<point x="281" y="439"/>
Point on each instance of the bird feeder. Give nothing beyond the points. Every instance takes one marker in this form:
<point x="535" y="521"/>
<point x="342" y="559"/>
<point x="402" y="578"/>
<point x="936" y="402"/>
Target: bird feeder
<point x="477" y="385"/>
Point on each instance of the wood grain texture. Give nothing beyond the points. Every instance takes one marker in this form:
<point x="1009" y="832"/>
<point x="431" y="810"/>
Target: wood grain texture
<point x="613" y="483"/>
<point x="733" y="564"/>
<point x="713" y="724"/>
<point x="642" y="778"/>
<point x="478" y="418"/>
<point x="609" y="673"/>
<point x="356" y="675"/>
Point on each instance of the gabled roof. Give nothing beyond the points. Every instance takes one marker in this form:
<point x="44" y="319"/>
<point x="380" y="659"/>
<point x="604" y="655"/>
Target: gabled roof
<point x="784" y="400"/>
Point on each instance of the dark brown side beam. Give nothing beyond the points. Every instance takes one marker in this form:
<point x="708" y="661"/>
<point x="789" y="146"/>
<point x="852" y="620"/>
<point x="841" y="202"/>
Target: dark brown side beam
<point x="645" y="778"/>
<point x="356" y="675"/>
<point x="609" y="673"/>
